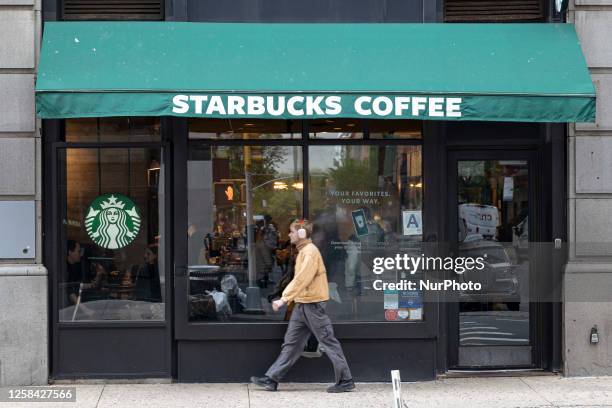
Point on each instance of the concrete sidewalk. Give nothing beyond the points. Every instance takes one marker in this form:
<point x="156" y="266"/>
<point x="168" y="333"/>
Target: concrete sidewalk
<point x="498" y="392"/>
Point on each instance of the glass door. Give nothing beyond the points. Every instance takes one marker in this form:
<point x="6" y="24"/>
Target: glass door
<point x="491" y="206"/>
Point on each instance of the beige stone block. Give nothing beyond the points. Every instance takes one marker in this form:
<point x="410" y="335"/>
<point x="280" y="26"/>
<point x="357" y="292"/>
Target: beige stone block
<point x="594" y="164"/>
<point x="17" y="166"/>
<point x="17" y="41"/>
<point x="17" y="111"/>
<point x="593" y="227"/>
<point x="593" y="28"/>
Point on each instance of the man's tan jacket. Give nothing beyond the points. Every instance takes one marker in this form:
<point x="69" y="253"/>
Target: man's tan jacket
<point x="309" y="284"/>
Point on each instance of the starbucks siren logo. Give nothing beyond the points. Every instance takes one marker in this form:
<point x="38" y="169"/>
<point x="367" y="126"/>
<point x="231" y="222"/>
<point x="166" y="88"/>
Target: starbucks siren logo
<point x="112" y="221"/>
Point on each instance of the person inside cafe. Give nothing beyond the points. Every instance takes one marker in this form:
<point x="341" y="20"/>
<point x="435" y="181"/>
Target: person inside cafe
<point x="146" y="282"/>
<point x="74" y="271"/>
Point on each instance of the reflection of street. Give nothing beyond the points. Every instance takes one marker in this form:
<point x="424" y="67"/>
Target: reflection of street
<point x="493" y="328"/>
<point x="522" y="274"/>
<point x="113" y="309"/>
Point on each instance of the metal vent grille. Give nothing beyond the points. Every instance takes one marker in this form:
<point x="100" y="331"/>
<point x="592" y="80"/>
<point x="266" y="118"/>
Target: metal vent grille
<point x="112" y="10"/>
<point x="456" y="11"/>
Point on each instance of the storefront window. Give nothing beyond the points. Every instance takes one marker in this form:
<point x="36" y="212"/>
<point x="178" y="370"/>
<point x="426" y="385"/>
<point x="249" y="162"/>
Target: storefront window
<point x="335" y="129"/>
<point x="348" y="129"/>
<point x="395" y="129"/>
<point x="113" y="262"/>
<point x="366" y="202"/>
<point x="224" y="129"/>
<point x="237" y="268"/>
<point x="127" y="129"/>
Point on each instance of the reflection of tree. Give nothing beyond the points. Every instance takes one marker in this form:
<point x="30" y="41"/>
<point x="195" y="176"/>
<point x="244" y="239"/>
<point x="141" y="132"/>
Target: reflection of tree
<point x="264" y="161"/>
<point x="351" y="173"/>
<point x="475" y="182"/>
<point x="282" y="205"/>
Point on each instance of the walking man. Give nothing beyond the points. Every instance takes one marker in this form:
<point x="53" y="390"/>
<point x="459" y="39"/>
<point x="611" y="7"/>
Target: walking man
<point x="309" y="291"/>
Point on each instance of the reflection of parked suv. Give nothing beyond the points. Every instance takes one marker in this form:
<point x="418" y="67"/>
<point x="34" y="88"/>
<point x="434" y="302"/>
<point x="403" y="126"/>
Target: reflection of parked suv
<point x="477" y="219"/>
<point x="498" y="278"/>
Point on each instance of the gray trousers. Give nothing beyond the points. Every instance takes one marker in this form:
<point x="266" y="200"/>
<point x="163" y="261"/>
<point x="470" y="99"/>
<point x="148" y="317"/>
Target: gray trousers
<point x="306" y="318"/>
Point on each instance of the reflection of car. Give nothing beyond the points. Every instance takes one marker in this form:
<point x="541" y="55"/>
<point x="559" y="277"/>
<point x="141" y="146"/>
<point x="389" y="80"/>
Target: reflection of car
<point x="498" y="278"/>
<point x="477" y="219"/>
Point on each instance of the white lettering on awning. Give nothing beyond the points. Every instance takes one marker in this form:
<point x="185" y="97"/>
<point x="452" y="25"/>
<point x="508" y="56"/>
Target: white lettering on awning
<point x="305" y="106"/>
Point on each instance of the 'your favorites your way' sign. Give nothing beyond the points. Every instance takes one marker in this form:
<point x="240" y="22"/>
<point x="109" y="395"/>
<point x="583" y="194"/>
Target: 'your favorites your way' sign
<point x="300" y="106"/>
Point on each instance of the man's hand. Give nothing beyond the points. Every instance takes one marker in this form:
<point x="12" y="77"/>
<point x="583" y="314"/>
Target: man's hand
<point x="277" y="304"/>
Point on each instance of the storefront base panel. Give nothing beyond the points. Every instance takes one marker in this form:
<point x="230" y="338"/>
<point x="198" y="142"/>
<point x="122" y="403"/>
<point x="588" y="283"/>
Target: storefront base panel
<point x="369" y="360"/>
<point x="105" y="352"/>
<point x="23" y="325"/>
<point x="498" y="356"/>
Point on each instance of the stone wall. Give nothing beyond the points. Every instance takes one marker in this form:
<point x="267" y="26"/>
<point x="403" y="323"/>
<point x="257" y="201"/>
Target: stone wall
<point x="588" y="275"/>
<point x="23" y="282"/>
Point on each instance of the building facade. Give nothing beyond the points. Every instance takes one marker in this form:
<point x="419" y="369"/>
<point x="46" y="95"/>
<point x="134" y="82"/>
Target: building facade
<point x="588" y="268"/>
<point x="170" y="294"/>
<point x="23" y="277"/>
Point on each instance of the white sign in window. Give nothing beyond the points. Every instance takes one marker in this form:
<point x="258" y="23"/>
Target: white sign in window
<point x="412" y="222"/>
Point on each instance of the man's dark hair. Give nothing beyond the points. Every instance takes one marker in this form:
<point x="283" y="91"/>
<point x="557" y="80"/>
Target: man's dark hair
<point x="72" y="245"/>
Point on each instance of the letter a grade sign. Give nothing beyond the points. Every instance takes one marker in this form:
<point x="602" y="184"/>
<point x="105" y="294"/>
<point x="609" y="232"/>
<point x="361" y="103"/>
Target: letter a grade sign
<point x="412" y="221"/>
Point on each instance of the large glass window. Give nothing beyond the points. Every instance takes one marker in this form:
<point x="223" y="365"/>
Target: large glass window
<point x="365" y="200"/>
<point x="395" y="129"/>
<point x="235" y="267"/>
<point x="111" y="207"/>
<point x="227" y="129"/>
<point x="362" y="200"/>
<point x="124" y="129"/>
<point x="335" y="129"/>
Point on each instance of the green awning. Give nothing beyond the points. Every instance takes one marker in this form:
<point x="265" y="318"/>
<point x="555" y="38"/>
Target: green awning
<point x="500" y="72"/>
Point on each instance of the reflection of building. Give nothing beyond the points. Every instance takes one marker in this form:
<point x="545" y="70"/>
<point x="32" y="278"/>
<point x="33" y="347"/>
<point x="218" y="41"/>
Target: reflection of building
<point x="169" y="166"/>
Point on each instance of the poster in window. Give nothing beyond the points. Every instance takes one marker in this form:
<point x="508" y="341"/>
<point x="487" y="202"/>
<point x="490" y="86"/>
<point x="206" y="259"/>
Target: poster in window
<point x="360" y="222"/>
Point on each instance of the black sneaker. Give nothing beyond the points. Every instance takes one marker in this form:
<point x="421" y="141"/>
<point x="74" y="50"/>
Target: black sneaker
<point x="265" y="382"/>
<point x="342" y="386"/>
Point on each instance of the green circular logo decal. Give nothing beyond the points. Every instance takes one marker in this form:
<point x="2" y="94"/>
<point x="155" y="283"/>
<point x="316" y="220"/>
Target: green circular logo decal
<point x="112" y="221"/>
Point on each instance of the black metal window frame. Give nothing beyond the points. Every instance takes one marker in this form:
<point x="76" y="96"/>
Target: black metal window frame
<point x="53" y="143"/>
<point x="530" y="155"/>
<point x="54" y="131"/>
<point x="174" y="144"/>
<point x="185" y="330"/>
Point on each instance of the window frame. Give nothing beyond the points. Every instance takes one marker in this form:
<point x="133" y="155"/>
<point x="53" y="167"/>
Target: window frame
<point x="56" y="130"/>
<point x="211" y="330"/>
